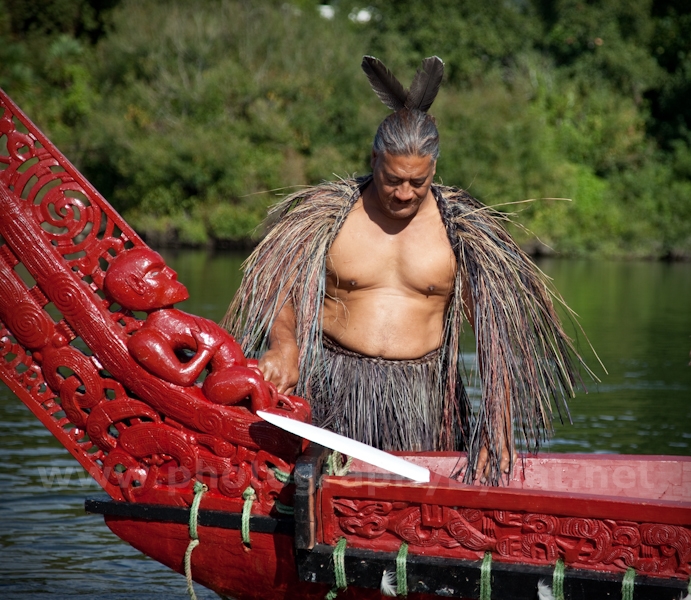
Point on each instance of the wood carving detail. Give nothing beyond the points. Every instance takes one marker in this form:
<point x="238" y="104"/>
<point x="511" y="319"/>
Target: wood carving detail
<point x="654" y="549"/>
<point x="123" y="393"/>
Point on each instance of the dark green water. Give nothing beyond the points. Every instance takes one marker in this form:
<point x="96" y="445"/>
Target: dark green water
<point x="637" y="316"/>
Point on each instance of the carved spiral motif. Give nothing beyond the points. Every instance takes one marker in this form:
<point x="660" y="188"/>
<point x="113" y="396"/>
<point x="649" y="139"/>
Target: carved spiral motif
<point x="66" y="218"/>
<point x="626" y="535"/>
<point x="224" y="449"/>
<point x="32" y="181"/>
<point x="583" y="528"/>
<point x="15" y="141"/>
<point x="467" y="536"/>
<point x="541" y="523"/>
<point x="209" y="421"/>
<point x="126" y="472"/>
<point x="69" y="402"/>
<point x="408" y="527"/>
<point x="657" y="535"/>
<point x="84" y="371"/>
<point x="233" y="482"/>
<point x="30" y="324"/>
<point x="369" y="527"/>
<point x="66" y="293"/>
<point x="110" y="413"/>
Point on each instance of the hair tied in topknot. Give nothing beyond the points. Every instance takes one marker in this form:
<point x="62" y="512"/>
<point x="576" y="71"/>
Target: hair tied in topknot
<point x="423" y="90"/>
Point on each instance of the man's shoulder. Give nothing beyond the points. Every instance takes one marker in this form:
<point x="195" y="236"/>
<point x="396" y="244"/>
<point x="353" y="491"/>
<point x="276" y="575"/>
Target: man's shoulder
<point x="458" y="201"/>
<point x="455" y="194"/>
<point x="324" y="199"/>
<point x="339" y="188"/>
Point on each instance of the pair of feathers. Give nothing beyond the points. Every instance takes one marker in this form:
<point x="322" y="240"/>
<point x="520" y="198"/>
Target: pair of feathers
<point x="423" y="90"/>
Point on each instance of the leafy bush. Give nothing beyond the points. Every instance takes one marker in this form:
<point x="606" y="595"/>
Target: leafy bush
<point x="191" y="118"/>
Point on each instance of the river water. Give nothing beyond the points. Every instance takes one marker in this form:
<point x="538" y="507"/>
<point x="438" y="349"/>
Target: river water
<point x="637" y="315"/>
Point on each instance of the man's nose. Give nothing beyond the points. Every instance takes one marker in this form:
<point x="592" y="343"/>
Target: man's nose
<point x="171" y="274"/>
<point x="404" y="193"/>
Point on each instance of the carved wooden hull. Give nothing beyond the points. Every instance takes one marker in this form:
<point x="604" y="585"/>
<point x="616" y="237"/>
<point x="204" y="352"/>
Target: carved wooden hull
<point x="600" y="514"/>
<point x="147" y="441"/>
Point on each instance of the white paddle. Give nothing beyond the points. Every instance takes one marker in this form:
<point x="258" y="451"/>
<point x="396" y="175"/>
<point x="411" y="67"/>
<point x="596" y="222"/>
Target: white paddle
<point x="344" y="445"/>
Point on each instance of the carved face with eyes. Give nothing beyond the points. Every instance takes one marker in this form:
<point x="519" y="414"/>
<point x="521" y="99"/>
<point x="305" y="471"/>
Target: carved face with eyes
<point x="139" y="279"/>
<point x="401" y="183"/>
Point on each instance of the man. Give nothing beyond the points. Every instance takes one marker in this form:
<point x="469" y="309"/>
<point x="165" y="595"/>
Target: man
<point x="357" y="295"/>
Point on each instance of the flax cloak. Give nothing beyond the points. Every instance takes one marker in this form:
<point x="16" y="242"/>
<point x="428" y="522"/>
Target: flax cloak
<point x="528" y="365"/>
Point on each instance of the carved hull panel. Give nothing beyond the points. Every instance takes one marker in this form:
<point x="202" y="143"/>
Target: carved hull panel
<point x="593" y="512"/>
<point x="222" y="563"/>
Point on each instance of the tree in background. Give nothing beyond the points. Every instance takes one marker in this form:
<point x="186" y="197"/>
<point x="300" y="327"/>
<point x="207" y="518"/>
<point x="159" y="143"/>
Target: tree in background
<point x="192" y="119"/>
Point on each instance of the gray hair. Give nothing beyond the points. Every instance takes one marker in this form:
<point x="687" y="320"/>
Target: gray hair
<point x="408" y="133"/>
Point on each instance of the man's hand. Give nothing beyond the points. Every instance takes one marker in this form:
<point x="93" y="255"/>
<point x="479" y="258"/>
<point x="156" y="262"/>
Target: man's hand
<point x="482" y="471"/>
<point x="280" y="367"/>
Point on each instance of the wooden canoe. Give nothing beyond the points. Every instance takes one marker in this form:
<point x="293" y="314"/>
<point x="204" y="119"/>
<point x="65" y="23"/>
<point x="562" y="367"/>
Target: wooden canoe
<point x="148" y="441"/>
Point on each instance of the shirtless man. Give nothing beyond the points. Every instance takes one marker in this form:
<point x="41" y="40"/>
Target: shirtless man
<point x="356" y="297"/>
<point x="390" y="273"/>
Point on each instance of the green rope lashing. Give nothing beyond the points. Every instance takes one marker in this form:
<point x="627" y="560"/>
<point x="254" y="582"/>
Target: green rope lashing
<point x="282" y="476"/>
<point x="486" y="577"/>
<point x="627" y="584"/>
<point x="188" y="568"/>
<point x="284" y="509"/>
<point x="558" y="580"/>
<point x="285" y="479"/>
<point x="402" y="571"/>
<point x="335" y="466"/>
<point x="199" y="489"/>
<point x="339" y="569"/>
<point x="248" y="496"/>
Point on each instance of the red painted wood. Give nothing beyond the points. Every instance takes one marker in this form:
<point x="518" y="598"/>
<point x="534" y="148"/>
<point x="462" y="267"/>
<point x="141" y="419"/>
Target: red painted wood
<point x="106" y="383"/>
<point x="222" y="563"/>
<point x="623" y="511"/>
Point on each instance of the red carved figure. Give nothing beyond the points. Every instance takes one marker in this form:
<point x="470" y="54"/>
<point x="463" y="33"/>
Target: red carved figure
<point x="139" y="280"/>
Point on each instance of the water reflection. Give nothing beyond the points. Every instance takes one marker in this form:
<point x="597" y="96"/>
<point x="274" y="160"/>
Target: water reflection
<point x="635" y="314"/>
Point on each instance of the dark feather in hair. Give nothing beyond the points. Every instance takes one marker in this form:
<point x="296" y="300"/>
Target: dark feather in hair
<point x="425" y="84"/>
<point x="383" y="82"/>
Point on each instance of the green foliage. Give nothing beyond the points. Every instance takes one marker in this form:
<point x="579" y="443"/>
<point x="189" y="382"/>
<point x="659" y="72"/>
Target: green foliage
<point x="472" y="37"/>
<point x="208" y="106"/>
<point x="233" y="223"/>
<point x="193" y="118"/>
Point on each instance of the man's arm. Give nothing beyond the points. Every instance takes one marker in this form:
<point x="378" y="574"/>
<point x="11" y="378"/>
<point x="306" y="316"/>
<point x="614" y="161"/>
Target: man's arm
<point x="279" y="364"/>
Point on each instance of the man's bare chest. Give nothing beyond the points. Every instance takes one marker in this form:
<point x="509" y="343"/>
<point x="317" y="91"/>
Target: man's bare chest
<point x="416" y="259"/>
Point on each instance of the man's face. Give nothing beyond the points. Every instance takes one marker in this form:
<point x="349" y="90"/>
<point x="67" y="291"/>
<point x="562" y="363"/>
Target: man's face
<point x="401" y="182"/>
